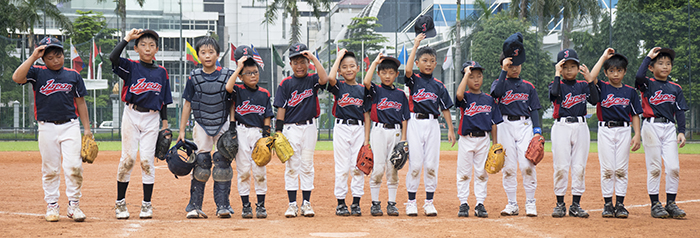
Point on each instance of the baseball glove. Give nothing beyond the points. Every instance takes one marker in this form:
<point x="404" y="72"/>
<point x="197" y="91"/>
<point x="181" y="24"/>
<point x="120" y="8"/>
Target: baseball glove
<point x="262" y="151"/>
<point x="400" y="155"/>
<point x="365" y="159"/>
<point x="165" y="137"/>
<point x="227" y="144"/>
<point x="535" y="150"/>
<point x="495" y="159"/>
<point x="88" y="149"/>
<point x="282" y="147"/>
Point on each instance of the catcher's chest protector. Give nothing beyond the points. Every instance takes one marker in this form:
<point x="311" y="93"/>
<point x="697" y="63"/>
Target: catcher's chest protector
<point x="209" y="104"/>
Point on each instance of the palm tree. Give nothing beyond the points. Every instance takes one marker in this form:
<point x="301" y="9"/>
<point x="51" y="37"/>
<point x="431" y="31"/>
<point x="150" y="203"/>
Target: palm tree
<point x="290" y="9"/>
<point x="120" y="10"/>
<point x="577" y="9"/>
<point x="28" y="15"/>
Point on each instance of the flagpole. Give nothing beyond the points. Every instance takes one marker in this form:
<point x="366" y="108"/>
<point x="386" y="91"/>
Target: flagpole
<point x="363" y="60"/>
<point x="94" y="91"/>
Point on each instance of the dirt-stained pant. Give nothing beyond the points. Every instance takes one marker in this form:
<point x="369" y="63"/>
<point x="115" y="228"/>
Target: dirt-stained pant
<point x="472" y="154"/>
<point x="660" y="142"/>
<point x="247" y="137"/>
<point x="515" y="137"/>
<point x="423" y="136"/>
<point x="300" y="166"/>
<point x="56" y="142"/>
<point x="614" y="158"/>
<point x="570" y="144"/>
<point x="383" y="141"/>
<point x="139" y="135"/>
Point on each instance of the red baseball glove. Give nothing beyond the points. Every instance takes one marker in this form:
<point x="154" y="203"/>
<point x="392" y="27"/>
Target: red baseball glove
<point x="535" y="151"/>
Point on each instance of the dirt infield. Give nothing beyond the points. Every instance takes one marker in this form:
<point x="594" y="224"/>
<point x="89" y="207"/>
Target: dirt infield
<point x="22" y="206"/>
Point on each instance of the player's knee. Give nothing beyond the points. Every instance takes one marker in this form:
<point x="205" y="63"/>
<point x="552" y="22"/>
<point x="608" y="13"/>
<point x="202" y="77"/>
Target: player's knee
<point x="202" y="169"/>
<point x="220" y="161"/>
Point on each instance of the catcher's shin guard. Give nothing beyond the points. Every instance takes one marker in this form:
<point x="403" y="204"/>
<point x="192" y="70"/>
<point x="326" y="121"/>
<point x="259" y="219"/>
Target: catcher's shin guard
<point x="196" y="195"/>
<point x="222" y="171"/>
<point x="222" y="190"/>
<point x="202" y="169"/>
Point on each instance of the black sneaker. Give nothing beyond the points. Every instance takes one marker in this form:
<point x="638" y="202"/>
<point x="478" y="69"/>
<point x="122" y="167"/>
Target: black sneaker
<point x="247" y="211"/>
<point x="480" y="211"/>
<point x="674" y="211"/>
<point x="559" y="210"/>
<point x="609" y="211"/>
<point x="260" y="211"/>
<point x="658" y="210"/>
<point x="376" y="209"/>
<point x="355" y="210"/>
<point x="463" y="210"/>
<point x="575" y="210"/>
<point x="621" y="211"/>
<point x="391" y="209"/>
<point x="342" y="210"/>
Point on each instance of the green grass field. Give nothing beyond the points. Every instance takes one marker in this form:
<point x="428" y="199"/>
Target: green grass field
<point x="689" y="148"/>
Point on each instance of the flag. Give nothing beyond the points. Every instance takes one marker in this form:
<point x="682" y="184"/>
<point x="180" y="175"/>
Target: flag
<point x="233" y="49"/>
<point x="98" y="63"/>
<point x="191" y="54"/>
<point x="448" y="60"/>
<point x="402" y="55"/>
<point x="77" y="62"/>
<point x="366" y="60"/>
<point x="257" y="57"/>
<point x="277" y="58"/>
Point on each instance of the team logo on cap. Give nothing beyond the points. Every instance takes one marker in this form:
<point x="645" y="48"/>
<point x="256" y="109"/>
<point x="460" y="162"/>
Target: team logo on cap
<point x="510" y="97"/>
<point x="298" y="48"/>
<point x="298" y="97"/>
<point x="346" y="100"/>
<point x="516" y="52"/>
<point x="247" y="108"/>
<point x="659" y="98"/>
<point x="611" y="100"/>
<point x="571" y="100"/>
<point x="52" y="87"/>
<point x="142" y="86"/>
<point x="476" y="109"/>
<point x="566" y="54"/>
<point x="424" y="28"/>
<point x="386" y="104"/>
<point x="422" y="95"/>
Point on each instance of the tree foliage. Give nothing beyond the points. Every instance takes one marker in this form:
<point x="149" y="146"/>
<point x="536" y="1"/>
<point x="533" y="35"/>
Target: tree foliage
<point x="360" y="31"/>
<point x="88" y="26"/>
<point x="28" y="15"/>
<point x="289" y="8"/>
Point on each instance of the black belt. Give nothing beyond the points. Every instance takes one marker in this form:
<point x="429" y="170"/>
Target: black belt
<point x="613" y="123"/>
<point x="59" y="122"/>
<point x="388" y="126"/>
<point x="476" y="134"/>
<point x="424" y="116"/>
<point x="243" y="124"/>
<point x="302" y="123"/>
<point x="657" y="119"/>
<point x="348" y="121"/>
<point x="139" y="108"/>
<point x="571" y="119"/>
<point x="515" y="118"/>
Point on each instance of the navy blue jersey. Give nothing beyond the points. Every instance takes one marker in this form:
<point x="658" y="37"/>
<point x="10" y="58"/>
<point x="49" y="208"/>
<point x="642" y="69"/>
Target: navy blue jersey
<point x="571" y="100"/>
<point x="617" y="104"/>
<point x="427" y="94"/>
<point x="516" y="97"/>
<point x="189" y="87"/>
<point x="252" y="106"/>
<point x="349" y="100"/>
<point x="659" y="98"/>
<point x="55" y="92"/>
<point x="389" y="104"/>
<point x="299" y="97"/>
<point x="143" y="86"/>
<point x="479" y="112"/>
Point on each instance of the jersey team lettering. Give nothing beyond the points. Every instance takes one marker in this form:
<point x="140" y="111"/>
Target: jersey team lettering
<point x="52" y="87"/>
<point x="346" y="100"/>
<point x="142" y="86"/>
<point x="386" y="104"/>
<point x="571" y="101"/>
<point x="510" y="97"/>
<point x="659" y="98"/>
<point x="297" y="98"/>
<point x="422" y="95"/>
<point x="247" y="108"/>
<point x="474" y="109"/>
<point x="611" y="100"/>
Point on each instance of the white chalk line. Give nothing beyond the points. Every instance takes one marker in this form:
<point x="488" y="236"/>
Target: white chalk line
<point x="647" y="205"/>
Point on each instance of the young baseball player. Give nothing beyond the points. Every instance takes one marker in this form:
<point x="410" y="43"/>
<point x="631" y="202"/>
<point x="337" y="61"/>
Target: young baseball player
<point x="59" y="100"/>
<point x="662" y="100"/>
<point x="571" y="138"/>
<point x="518" y="103"/>
<point x="146" y="92"/>
<point x="479" y="117"/>
<point x="389" y="115"/>
<point x="205" y="97"/>
<point x="297" y="105"/>
<point x="348" y="132"/>
<point x="617" y="109"/>
<point x="428" y="97"/>
<point x="253" y="112"/>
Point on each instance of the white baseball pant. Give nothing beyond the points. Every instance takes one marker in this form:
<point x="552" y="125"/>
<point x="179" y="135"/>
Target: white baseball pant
<point x="56" y="142"/>
<point x="347" y="141"/>
<point x="570" y="144"/>
<point x="139" y="135"/>
<point x="472" y="154"/>
<point x="515" y="136"/>
<point x="660" y="142"/>
<point x="300" y="167"/>
<point x="247" y="137"/>
<point x="614" y="157"/>
<point x="383" y="141"/>
<point x="423" y="136"/>
<point x="205" y="142"/>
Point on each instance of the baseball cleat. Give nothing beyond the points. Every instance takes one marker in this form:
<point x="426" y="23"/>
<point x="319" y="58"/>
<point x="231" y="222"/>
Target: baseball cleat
<point x="247" y="211"/>
<point x="531" y="208"/>
<point x="260" y="211"/>
<point x="355" y="210"/>
<point x="292" y="210"/>
<point x="463" y="210"/>
<point x="146" y="210"/>
<point x="674" y="211"/>
<point x="376" y="209"/>
<point x="342" y="210"/>
<point x="224" y="211"/>
<point x="411" y="208"/>
<point x="391" y="209"/>
<point x="658" y="210"/>
<point x="74" y="212"/>
<point x="52" y="212"/>
<point x="510" y="210"/>
<point x="429" y="208"/>
<point x="621" y="211"/>
<point x="575" y="210"/>
<point x="480" y="211"/>
<point x="306" y="209"/>
<point x="196" y="213"/>
<point x="120" y="209"/>
<point x="610" y="211"/>
<point x="559" y="210"/>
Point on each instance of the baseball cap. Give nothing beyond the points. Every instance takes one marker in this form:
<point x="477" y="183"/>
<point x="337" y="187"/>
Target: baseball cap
<point x="149" y="32"/>
<point x="349" y="54"/>
<point x="513" y="47"/>
<point x="51" y="42"/>
<point x="244" y="50"/>
<point x="425" y="24"/>
<point x="296" y="49"/>
<point x="567" y="54"/>
<point x="392" y="59"/>
<point x="473" y="64"/>
<point x="669" y="51"/>
<point x="618" y="55"/>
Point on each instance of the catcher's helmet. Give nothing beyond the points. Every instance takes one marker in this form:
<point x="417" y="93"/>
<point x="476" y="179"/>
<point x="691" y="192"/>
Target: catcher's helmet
<point x="181" y="165"/>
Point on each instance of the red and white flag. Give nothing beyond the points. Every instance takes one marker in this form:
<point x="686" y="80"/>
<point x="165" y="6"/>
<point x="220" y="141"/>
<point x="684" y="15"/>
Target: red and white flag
<point x="77" y="62"/>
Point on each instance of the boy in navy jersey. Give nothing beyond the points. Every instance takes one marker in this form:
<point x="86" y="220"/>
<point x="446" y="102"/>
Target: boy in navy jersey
<point x="348" y="132"/>
<point x="253" y="112"/>
<point x="428" y="98"/>
<point x="617" y="109"/>
<point x="59" y="100"/>
<point x="297" y="105"/>
<point x="205" y="96"/>
<point x="479" y="116"/>
<point x="571" y="138"/>
<point x="389" y="116"/>
<point x="146" y="92"/>
<point x="662" y="100"/>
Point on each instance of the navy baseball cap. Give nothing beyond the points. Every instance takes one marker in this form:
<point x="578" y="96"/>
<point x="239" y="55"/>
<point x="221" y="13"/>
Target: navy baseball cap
<point x="349" y="54"/>
<point x="149" y="32"/>
<point x="568" y="54"/>
<point x="473" y="64"/>
<point x="51" y="42"/>
<point x="425" y="24"/>
<point x="296" y="49"/>
<point x="621" y="56"/>
<point x="669" y="51"/>
<point x="244" y="50"/>
<point x="513" y="47"/>
<point x="392" y="59"/>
